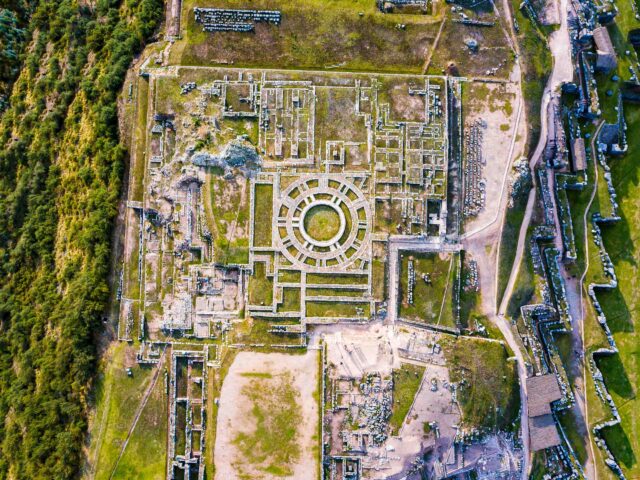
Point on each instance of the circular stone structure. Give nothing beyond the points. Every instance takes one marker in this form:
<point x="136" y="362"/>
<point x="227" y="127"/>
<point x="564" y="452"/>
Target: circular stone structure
<point x="330" y="233"/>
<point x="323" y="222"/>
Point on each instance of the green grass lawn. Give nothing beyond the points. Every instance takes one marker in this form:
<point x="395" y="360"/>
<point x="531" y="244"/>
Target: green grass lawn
<point x="137" y="169"/>
<point x="227" y="212"/>
<point x="509" y="241"/>
<point x="621" y="372"/>
<point x="490" y="397"/>
<point x="347" y="34"/>
<point x="263" y="215"/>
<point x="406" y="381"/>
<point x="329" y="278"/>
<point x="256" y="331"/>
<point x="290" y="300"/>
<point x="333" y="309"/>
<point x="494" y="47"/>
<point x="260" y="286"/>
<point x="322" y="222"/>
<point x="150" y="435"/>
<point x="379" y="279"/>
<point x="578" y="440"/>
<point x="114" y="391"/>
<point x="432" y="302"/>
<point x="536" y="64"/>
<point x="275" y="409"/>
<point x="524" y="288"/>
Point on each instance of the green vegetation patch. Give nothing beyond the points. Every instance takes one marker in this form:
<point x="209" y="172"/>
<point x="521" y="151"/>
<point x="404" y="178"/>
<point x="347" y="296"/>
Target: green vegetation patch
<point x="329" y="278"/>
<point x="621" y="306"/>
<point x="524" y="287"/>
<point x="406" y="382"/>
<point x="494" y="51"/>
<point x="487" y="381"/>
<point x="111" y="423"/>
<point x="379" y="279"/>
<point x="262" y="215"/>
<point x="332" y="309"/>
<point x="260" y="286"/>
<point x="536" y="63"/>
<point x="289" y="276"/>
<point x="322" y="222"/>
<point x="138" y="157"/>
<point x="256" y="331"/>
<point x="227" y="211"/>
<point x="61" y="171"/>
<point x="433" y="286"/>
<point x="275" y="410"/>
<point x="344" y="34"/>
<point x="509" y="239"/>
<point x="290" y="300"/>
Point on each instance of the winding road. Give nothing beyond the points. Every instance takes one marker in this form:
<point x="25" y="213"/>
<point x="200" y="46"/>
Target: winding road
<point x="560" y="46"/>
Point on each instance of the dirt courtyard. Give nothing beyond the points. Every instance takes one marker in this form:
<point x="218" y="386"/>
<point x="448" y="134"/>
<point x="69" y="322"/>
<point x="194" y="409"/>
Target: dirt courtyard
<point x="268" y="418"/>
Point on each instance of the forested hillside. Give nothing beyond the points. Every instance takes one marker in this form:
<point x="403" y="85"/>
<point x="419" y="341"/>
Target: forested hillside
<point x="61" y="169"/>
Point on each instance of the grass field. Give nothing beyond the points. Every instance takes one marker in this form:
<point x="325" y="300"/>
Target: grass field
<point x="344" y="34"/>
<point x="276" y="414"/>
<point x="322" y="222"/>
<point x="263" y="215"/>
<point x="215" y="378"/>
<point x="490" y="395"/>
<point x="621" y="306"/>
<point x="509" y="240"/>
<point x="432" y="302"/>
<point x="537" y="63"/>
<point x="406" y="381"/>
<point x="622" y="372"/>
<point x="290" y="300"/>
<point x="270" y="401"/>
<point x="524" y="287"/>
<point x="494" y="50"/>
<point x="227" y="211"/>
<point x="328" y="278"/>
<point x="137" y="168"/>
<point x="333" y="309"/>
<point x="260" y="286"/>
<point x="145" y="455"/>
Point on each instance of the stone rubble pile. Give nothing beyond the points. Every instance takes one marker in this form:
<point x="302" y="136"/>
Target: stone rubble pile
<point x="231" y="20"/>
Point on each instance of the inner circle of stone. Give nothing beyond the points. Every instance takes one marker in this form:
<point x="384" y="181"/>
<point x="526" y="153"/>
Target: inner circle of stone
<point x="332" y="240"/>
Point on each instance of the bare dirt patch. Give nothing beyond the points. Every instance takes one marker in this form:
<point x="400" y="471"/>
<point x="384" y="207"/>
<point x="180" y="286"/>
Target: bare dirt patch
<point x="268" y="418"/>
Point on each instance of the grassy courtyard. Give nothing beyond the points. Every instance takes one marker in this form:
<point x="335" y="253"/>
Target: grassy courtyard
<point x="432" y="290"/>
<point x="322" y="222"/>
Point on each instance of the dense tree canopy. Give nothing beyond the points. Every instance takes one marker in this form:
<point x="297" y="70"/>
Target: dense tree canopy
<point x="61" y="167"/>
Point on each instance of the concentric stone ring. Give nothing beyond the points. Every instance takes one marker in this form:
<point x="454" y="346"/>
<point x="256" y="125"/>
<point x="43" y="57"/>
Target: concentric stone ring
<point x="340" y="236"/>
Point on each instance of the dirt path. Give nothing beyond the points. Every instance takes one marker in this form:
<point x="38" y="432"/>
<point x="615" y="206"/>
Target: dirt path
<point x="559" y="44"/>
<point x="427" y="62"/>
